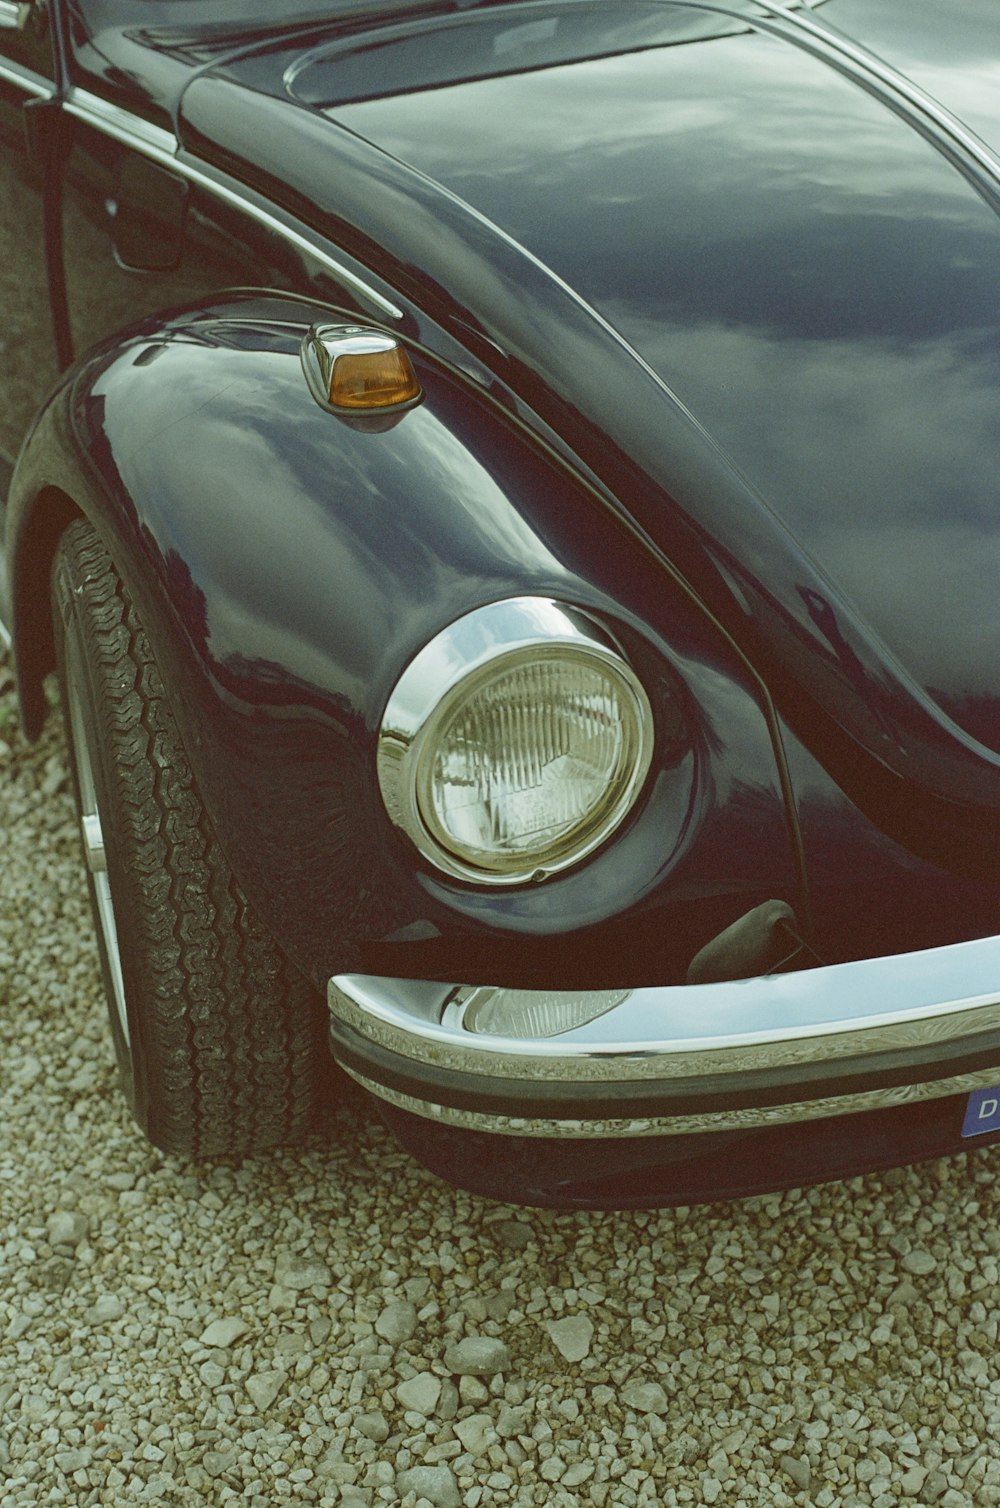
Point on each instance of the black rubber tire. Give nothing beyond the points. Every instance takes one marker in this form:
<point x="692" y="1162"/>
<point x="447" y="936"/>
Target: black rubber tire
<point x="226" y="1053"/>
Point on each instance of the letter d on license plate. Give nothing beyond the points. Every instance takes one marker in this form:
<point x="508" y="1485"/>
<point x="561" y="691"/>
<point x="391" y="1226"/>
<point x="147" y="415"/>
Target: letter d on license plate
<point x="982" y="1113"/>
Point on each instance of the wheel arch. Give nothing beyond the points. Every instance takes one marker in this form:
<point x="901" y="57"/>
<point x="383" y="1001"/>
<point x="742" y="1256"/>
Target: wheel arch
<point x="46" y="518"/>
<point x="287" y="565"/>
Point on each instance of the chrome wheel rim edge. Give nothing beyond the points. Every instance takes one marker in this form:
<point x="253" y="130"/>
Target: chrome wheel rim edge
<point x="94" y="849"/>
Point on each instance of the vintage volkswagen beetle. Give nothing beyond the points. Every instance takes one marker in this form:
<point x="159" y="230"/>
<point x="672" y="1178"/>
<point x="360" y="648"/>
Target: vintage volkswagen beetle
<point x="510" y="490"/>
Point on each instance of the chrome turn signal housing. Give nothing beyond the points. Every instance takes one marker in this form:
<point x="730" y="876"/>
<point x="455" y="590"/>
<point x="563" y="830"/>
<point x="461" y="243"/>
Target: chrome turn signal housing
<point x="354" y="371"/>
<point x="515" y="743"/>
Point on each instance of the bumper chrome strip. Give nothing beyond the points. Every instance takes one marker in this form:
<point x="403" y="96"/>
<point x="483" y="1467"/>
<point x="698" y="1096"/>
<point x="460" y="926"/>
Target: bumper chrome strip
<point x="679" y="1125"/>
<point x="904" y="1016"/>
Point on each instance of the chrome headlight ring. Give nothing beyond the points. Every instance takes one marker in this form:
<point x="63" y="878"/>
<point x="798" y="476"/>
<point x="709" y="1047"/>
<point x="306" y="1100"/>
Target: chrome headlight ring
<point x="515" y="743"/>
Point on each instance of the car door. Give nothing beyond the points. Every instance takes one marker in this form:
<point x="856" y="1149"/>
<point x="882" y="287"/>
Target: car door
<point x="32" y="342"/>
<point x="28" y="344"/>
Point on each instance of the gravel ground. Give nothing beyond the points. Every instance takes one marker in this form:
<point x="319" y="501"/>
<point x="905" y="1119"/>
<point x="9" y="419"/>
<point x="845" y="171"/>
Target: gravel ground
<point x="337" y="1327"/>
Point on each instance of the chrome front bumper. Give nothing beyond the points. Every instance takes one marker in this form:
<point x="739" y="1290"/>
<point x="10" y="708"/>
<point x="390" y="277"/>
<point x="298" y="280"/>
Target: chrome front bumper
<point x="687" y="1058"/>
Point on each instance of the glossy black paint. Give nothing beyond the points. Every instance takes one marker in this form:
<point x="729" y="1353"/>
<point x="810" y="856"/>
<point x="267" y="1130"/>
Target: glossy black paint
<point x="691" y="361"/>
<point x="748" y="278"/>
<point x="289" y="564"/>
<point x="660" y="1171"/>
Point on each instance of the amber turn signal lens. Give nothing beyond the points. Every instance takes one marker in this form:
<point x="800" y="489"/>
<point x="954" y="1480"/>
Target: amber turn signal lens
<point x="373" y="380"/>
<point x="359" y="373"/>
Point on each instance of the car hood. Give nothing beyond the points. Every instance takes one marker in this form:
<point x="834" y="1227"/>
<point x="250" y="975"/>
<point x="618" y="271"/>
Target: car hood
<point x="750" y="271"/>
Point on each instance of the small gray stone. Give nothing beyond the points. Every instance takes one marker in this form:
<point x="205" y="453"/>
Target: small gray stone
<point x="935" y="1486"/>
<point x="222" y="1332"/>
<point x="336" y="1469"/>
<point x="319" y="1330"/>
<point x="918" y="1262"/>
<point x="397" y="1322"/>
<point x="571" y="1336"/>
<point x="912" y="1481"/>
<point x="448" y="1406"/>
<point x="645" y="1397"/>
<point x="420" y="1393"/>
<point x="435" y="1483"/>
<point x="297" y="1273"/>
<point x="218" y="1462"/>
<point x="477" y="1356"/>
<point x="72" y="1460"/>
<point x="798" y="1470"/>
<point x="476" y="1433"/>
<point x="264" y="1388"/>
<point x="66" y="1228"/>
<point x="373" y="1427"/>
<point x="512" y="1421"/>
<point x="354" y="1497"/>
<point x="514" y="1234"/>
<point x="108" y="1307"/>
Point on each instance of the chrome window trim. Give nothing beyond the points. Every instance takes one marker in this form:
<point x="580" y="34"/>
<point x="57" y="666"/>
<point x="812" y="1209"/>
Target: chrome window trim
<point x="162" y="146"/>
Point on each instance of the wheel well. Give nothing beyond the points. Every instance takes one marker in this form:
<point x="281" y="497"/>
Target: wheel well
<point x="51" y="513"/>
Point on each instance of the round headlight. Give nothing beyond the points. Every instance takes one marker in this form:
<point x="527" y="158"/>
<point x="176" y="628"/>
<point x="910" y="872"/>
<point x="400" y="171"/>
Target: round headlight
<point x="515" y="743"/>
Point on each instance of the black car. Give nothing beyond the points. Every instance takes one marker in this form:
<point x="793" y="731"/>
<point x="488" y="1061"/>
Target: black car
<point x="511" y="493"/>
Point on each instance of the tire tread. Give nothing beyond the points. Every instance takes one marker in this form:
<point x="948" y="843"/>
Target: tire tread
<point x="230" y="1039"/>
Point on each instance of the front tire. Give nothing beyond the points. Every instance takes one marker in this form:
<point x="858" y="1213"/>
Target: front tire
<point x="221" y="1044"/>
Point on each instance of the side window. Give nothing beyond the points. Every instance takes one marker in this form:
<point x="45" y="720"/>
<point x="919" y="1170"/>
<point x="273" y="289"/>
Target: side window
<point x="24" y="36"/>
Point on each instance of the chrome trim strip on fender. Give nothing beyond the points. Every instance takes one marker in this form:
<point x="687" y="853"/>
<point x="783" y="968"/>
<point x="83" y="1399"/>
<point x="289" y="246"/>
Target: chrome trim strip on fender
<point x="161" y="146"/>
<point x="31" y="83"/>
<point x="142" y="135"/>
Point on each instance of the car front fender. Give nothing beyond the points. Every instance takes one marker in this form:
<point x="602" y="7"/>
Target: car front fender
<point x="288" y="564"/>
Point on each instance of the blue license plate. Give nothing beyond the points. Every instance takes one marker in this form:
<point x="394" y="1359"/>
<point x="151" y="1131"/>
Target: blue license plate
<point x="982" y="1113"/>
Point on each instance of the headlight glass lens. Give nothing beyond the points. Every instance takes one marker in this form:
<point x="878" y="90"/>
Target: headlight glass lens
<point x="533" y="760"/>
